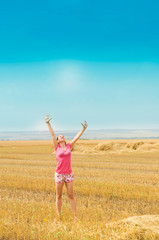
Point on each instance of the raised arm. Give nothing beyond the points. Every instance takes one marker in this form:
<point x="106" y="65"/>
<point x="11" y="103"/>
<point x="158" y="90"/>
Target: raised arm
<point x="79" y="134"/>
<point x="47" y="119"/>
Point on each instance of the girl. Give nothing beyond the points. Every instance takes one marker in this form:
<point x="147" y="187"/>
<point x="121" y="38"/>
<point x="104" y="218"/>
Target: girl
<point x="63" y="172"/>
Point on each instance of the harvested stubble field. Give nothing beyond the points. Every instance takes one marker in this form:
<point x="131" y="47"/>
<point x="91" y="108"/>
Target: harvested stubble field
<point x="116" y="188"/>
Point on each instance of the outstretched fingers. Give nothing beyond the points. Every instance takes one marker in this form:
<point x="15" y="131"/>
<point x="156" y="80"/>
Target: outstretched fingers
<point x="47" y="119"/>
<point x="84" y="125"/>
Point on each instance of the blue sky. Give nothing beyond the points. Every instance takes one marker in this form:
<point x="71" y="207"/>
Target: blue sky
<point x="79" y="60"/>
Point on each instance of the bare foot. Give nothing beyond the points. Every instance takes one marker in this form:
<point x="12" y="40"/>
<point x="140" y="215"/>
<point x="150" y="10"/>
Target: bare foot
<point x="59" y="217"/>
<point x="76" y="219"/>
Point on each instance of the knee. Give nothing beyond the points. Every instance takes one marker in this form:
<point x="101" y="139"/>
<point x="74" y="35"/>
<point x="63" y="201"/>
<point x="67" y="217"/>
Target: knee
<point x="71" y="196"/>
<point x="58" y="196"/>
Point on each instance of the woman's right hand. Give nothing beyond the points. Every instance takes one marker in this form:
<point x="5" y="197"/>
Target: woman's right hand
<point x="47" y="119"/>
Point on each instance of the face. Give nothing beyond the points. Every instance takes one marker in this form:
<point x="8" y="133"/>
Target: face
<point x="61" y="138"/>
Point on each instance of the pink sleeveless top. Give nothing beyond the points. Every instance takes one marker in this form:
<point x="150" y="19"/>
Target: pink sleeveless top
<point x="63" y="158"/>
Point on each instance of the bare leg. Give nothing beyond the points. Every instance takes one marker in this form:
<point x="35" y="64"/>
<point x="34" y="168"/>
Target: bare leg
<point x="59" y="187"/>
<point x="70" y="193"/>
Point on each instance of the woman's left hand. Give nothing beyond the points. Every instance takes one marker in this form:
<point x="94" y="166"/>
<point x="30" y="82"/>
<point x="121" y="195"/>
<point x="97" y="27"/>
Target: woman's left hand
<point x="84" y="125"/>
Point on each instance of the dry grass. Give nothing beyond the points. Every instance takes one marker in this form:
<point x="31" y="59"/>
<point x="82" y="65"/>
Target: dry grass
<point x="116" y="187"/>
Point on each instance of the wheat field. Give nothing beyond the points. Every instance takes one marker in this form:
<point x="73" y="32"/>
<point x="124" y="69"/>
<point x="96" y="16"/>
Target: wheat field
<point x="116" y="187"/>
